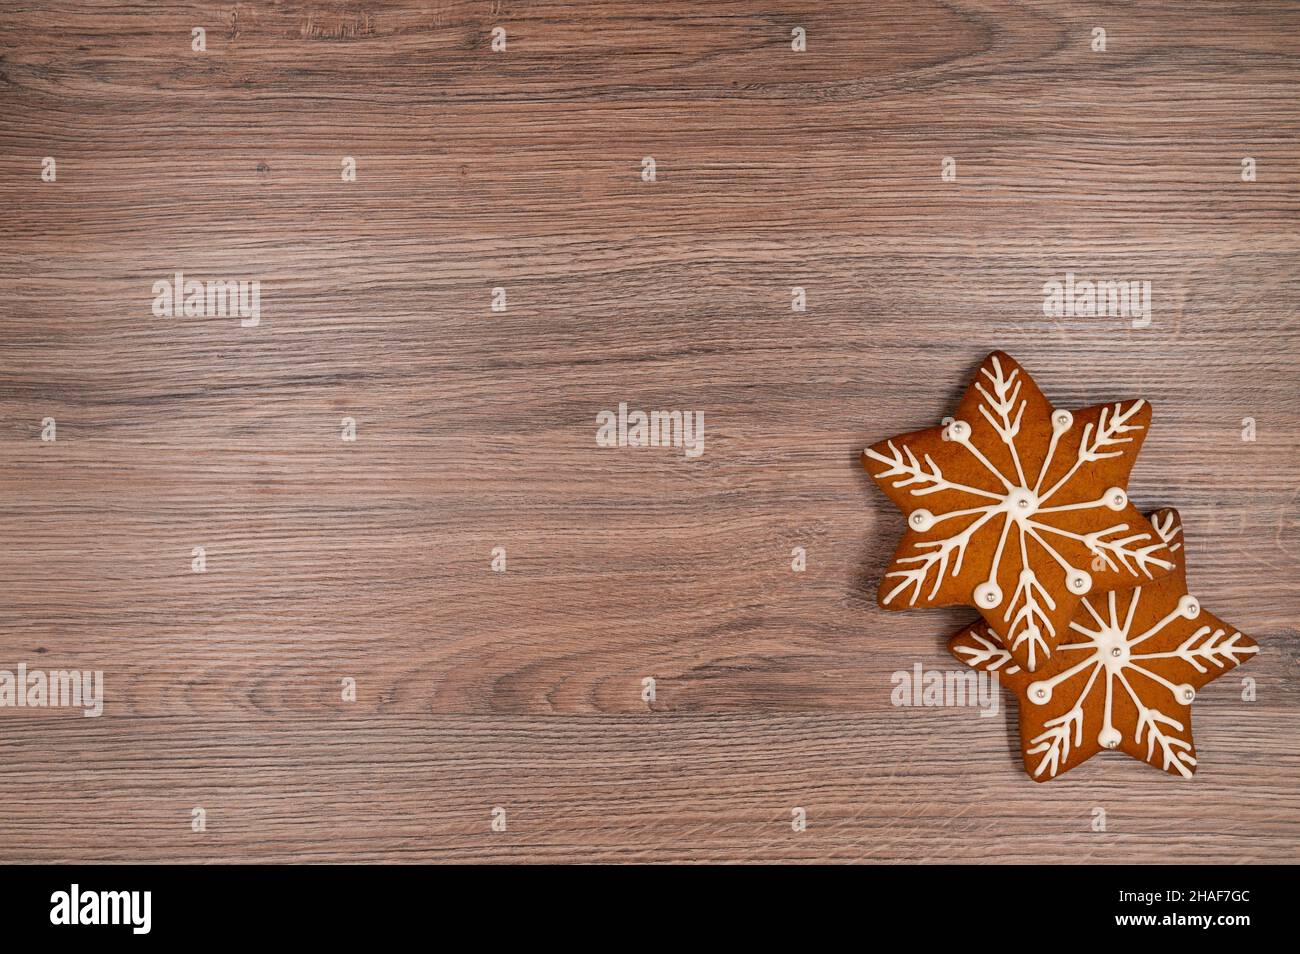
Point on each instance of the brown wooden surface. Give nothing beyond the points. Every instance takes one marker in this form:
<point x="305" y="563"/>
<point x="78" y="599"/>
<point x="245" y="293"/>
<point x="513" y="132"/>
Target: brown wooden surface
<point x="477" y="429"/>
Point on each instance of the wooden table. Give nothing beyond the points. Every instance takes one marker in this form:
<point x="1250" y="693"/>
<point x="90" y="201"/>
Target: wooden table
<point x="521" y="169"/>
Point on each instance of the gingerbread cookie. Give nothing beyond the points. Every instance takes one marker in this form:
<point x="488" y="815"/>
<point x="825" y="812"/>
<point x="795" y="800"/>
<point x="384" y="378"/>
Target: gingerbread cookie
<point x="1125" y="676"/>
<point x="1017" y="508"/>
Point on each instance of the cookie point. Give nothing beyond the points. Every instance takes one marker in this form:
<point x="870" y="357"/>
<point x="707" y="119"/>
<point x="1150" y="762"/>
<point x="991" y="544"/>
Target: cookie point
<point x="1189" y="606"/>
<point x="1116" y="498"/>
<point x="1061" y="420"/>
<point x="959" y="431"/>
<point x="1022" y="498"/>
<point x="1109" y="737"/>
<point x="1040" y="693"/>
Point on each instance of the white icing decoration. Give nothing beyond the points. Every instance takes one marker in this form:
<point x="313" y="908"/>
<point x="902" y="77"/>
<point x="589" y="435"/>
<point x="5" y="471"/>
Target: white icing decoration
<point x="1163" y="522"/>
<point x="1216" y="648"/>
<point x="921" y="520"/>
<point x="905" y="463"/>
<point x="987" y="594"/>
<point x="990" y="655"/>
<point x="1026" y="614"/>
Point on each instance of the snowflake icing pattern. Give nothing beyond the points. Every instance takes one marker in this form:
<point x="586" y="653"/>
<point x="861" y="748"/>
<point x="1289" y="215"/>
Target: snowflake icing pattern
<point x="985" y="477"/>
<point x="1145" y="651"/>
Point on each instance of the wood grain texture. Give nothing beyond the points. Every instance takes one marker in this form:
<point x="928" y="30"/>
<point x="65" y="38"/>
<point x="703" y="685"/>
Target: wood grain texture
<point x="476" y="429"/>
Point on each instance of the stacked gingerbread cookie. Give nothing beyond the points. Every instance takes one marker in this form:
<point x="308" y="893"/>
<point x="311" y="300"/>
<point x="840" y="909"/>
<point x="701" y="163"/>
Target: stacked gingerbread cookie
<point x="1020" y="510"/>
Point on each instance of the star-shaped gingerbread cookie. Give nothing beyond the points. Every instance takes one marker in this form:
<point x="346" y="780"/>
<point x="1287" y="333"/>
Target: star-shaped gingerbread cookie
<point x="1125" y="676"/>
<point x="1017" y="508"/>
